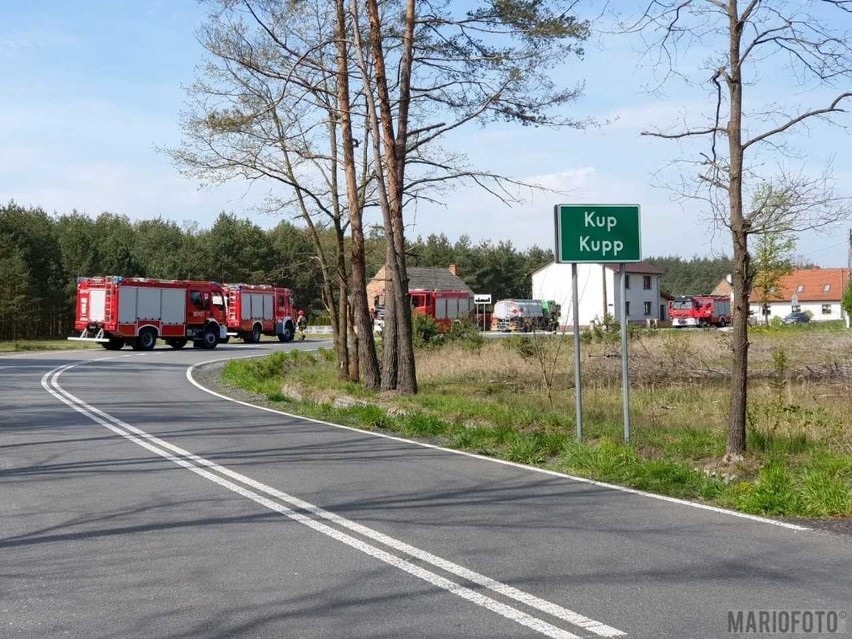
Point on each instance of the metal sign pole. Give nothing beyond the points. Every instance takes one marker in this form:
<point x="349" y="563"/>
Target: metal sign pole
<point x="578" y="375"/>
<point x="625" y="380"/>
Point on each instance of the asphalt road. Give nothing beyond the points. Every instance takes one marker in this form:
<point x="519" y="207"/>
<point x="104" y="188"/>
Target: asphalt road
<point x="135" y="504"/>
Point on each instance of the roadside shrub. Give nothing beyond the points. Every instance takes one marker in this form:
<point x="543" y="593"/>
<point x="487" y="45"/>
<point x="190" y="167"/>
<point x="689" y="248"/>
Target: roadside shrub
<point x="523" y="345"/>
<point x="425" y="329"/>
<point x="606" y="333"/>
<point x="780" y="370"/>
<point x="465" y="333"/>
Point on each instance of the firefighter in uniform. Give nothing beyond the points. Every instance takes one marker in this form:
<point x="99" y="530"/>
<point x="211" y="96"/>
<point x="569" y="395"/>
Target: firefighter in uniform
<point x="301" y="325"/>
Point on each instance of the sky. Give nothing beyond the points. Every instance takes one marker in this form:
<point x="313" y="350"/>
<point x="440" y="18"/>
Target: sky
<point x="92" y="88"/>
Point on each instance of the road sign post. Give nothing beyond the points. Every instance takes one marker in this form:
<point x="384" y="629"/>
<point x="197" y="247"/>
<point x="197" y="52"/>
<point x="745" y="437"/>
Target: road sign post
<point x="625" y="380"/>
<point x="578" y="373"/>
<point x="482" y="300"/>
<point x="598" y="234"/>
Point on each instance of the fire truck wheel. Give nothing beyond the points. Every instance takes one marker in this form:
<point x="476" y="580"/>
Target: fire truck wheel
<point x="146" y="340"/>
<point x="254" y="336"/>
<point x="176" y="344"/>
<point x="114" y="344"/>
<point x="287" y="335"/>
<point x="210" y="337"/>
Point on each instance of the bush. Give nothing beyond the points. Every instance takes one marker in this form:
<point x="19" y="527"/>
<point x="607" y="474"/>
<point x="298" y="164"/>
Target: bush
<point x="465" y="333"/>
<point x="521" y="344"/>
<point x="425" y="330"/>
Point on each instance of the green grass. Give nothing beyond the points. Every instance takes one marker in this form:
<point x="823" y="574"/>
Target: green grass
<point x="799" y="461"/>
<point x="18" y="346"/>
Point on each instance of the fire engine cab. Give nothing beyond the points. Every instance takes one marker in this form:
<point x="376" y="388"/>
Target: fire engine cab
<point x="700" y="310"/>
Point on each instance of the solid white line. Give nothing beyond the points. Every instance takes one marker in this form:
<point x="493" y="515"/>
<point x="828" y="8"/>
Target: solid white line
<point x="193" y="462"/>
<point x="585" y="480"/>
<point x="508" y="591"/>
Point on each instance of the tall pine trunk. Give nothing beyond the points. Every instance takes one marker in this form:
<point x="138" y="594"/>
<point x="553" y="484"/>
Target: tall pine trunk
<point x="362" y="323"/>
<point x="395" y="151"/>
<point x="739" y="232"/>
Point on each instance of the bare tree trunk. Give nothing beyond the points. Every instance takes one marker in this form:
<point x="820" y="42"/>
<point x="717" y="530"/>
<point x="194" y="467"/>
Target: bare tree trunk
<point x="739" y="233"/>
<point x="354" y="359"/>
<point x="366" y="347"/>
<point x="405" y="338"/>
<point x="344" y="357"/>
<point x="390" y="344"/>
<point x="394" y="154"/>
<point x="407" y="382"/>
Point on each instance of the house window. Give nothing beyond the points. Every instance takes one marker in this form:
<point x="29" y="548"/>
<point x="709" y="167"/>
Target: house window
<point x="626" y="281"/>
<point x="646" y="284"/>
<point x="627" y="304"/>
<point x="646" y="307"/>
<point x="800" y="288"/>
<point x="826" y="288"/>
<point x="796" y="308"/>
<point x="826" y="309"/>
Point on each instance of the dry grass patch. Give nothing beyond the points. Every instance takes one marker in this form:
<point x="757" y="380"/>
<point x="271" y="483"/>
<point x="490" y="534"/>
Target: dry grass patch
<point x="497" y="400"/>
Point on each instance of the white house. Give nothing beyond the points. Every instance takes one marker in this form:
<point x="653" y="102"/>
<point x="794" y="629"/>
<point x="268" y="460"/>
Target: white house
<point x="818" y="291"/>
<point x="599" y="291"/>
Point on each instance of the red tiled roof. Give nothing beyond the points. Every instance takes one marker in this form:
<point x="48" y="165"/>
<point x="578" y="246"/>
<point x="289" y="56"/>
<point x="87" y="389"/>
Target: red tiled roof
<point x="810" y="284"/>
<point x="723" y="288"/>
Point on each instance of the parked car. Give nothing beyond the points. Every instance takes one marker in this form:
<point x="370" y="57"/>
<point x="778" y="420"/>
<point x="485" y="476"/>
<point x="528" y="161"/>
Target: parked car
<point x="797" y="318"/>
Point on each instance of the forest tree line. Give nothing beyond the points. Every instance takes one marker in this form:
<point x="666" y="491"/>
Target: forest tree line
<point x="41" y="256"/>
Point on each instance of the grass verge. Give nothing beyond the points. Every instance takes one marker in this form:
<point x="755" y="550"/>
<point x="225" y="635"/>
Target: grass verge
<point x="19" y="346"/>
<point x="799" y="464"/>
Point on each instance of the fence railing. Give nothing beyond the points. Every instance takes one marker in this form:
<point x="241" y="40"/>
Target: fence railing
<point x="318" y="330"/>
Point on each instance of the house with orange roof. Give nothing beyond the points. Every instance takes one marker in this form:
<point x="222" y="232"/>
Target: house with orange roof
<point x="816" y="291"/>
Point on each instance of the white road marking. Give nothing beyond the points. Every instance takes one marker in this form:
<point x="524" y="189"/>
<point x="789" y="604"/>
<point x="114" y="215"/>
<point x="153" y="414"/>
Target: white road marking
<point x="197" y="465"/>
<point x="584" y="480"/>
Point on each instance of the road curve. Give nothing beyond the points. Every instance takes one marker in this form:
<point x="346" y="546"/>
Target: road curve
<point x="137" y="505"/>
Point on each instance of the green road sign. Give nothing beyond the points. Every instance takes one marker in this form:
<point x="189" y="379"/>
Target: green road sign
<point x="597" y="233"/>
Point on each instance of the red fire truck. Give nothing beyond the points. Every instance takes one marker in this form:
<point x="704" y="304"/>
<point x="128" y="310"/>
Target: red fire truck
<point x="255" y="310"/>
<point x="700" y="310"/>
<point x="445" y="307"/>
<point x="115" y="311"/>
